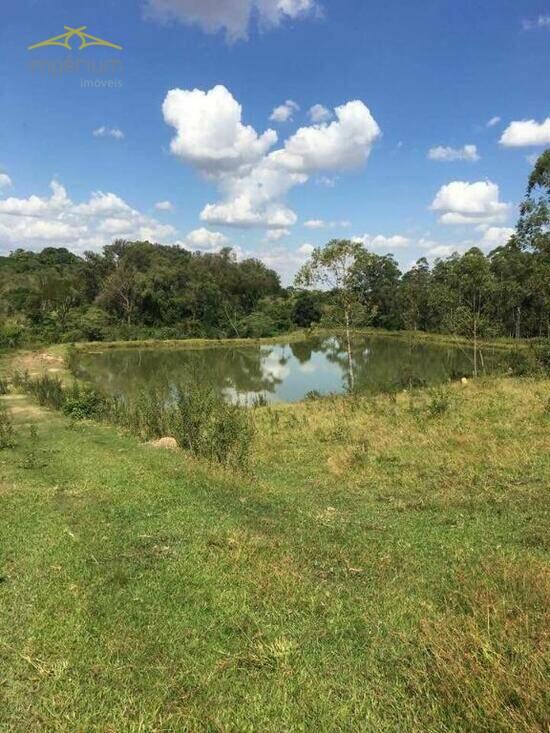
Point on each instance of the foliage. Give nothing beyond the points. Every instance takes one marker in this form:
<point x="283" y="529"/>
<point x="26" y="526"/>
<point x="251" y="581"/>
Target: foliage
<point x="140" y="290"/>
<point x="204" y="423"/>
<point x="83" y="403"/>
<point x="7" y="433"/>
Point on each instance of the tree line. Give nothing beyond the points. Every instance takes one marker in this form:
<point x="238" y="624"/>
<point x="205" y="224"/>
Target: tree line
<point x="143" y="290"/>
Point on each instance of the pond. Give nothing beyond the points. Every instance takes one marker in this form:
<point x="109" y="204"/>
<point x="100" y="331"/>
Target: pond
<point x="282" y="372"/>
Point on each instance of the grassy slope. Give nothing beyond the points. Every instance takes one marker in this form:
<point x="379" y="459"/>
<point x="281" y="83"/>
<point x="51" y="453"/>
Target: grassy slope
<point x="197" y="343"/>
<point x="383" y="569"/>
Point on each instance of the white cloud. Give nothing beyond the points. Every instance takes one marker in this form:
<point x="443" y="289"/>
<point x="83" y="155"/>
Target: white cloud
<point x="273" y="235"/>
<point x="542" y="21"/>
<point x="232" y="16"/>
<point x="526" y="132"/>
<point x="319" y="113"/>
<point x="327" y="181"/>
<point x="104" y="131"/>
<point x="493" y="121"/>
<point x="495" y="237"/>
<point x="461" y="202"/>
<point x="204" y="240"/>
<point x="209" y="131"/>
<point x="5" y="180"/>
<point x="441" y="153"/>
<point x="284" y="112"/>
<point x="252" y="181"/>
<point x="343" y="144"/>
<point x="164" y="206"/>
<point x="40" y="221"/>
<point x="322" y="224"/>
<point x="285" y="261"/>
<point x="381" y="242"/>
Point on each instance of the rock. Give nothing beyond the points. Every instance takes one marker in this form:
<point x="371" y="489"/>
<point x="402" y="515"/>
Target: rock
<point x="167" y="443"/>
<point x="464" y="380"/>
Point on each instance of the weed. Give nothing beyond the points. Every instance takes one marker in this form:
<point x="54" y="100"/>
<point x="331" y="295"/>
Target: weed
<point x="32" y="455"/>
<point x="7" y="433"/>
<point x="439" y="403"/>
<point x="4" y="386"/>
<point x="205" y="424"/>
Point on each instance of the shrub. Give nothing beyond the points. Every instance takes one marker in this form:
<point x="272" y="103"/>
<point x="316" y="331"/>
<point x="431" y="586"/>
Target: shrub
<point x="83" y="403"/>
<point x="205" y="424"/>
<point x="48" y="391"/>
<point x="520" y="362"/>
<point x="440" y="402"/>
<point x="7" y="435"/>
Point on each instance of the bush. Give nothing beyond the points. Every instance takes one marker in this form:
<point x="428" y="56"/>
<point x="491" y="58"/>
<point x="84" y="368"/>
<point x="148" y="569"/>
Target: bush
<point x="48" y="391"/>
<point x="7" y="435"/>
<point x="205" y="424"/>
<point x="11" y="335"/>
<point x="521" y="362"/>
<point x="440" y="402"/>
<point x="83" y="403"/>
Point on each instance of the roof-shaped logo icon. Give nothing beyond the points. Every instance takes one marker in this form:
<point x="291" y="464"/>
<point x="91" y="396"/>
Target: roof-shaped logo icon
<point x="64" y="40"/>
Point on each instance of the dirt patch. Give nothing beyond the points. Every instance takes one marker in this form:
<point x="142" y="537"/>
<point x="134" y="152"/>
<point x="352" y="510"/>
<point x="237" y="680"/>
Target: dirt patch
<point x="167" y="443"/>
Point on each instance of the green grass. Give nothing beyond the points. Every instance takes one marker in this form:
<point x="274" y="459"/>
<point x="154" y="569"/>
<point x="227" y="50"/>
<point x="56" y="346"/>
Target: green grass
<point x="384" y="568"/>
<point x="198" y="343"/>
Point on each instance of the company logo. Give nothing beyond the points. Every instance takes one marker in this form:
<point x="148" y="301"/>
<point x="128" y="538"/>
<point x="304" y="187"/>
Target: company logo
<point x="64" y="40"/>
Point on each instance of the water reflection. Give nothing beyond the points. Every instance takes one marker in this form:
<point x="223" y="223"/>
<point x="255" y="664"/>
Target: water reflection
<point x="282" y="372"/>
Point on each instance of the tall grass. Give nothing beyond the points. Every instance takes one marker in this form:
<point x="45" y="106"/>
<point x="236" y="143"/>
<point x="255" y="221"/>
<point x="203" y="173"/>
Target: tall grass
<point x="7" y="434"/>
<point x="197" y="417"/>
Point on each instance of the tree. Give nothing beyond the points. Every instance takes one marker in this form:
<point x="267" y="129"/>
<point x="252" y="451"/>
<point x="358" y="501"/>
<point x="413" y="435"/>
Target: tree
<point x="376" y="280"/>
<point x="333" y="268"/>
<point x="121" y="292"/>
<point x="305" y="309"/>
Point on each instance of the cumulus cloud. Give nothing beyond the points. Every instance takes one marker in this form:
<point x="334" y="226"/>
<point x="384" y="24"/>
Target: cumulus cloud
<point x="231" y="16"/>
<point x="461" y="202"/>
<point x="5" y="180"/>
<point x="381" y="242"/>
<point x="541" y="21"/>
<point x="526" y="132"/>
<point x="253" y="182"/>
<point x="284" y="112"/>
<point x="273" y="235"/>
<point x="493" y="121"/>
<point x="343" y="144"/>
<point x="204" y="240"/>
<point x="495" y="237"/>
<point x="441" y="153"/>
<point x="322" y="224"/>
<point x="209" y="132"/>
<point x="285" y="261"/>
<point x="164" y="206"/>
<point x="104" y="131"/>
<point x="41" y="221"/>
<point x="319" y="113"/>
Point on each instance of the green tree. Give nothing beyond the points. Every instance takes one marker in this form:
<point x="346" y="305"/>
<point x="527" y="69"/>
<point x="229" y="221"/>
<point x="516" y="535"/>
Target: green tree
<point x="333" y="268"/>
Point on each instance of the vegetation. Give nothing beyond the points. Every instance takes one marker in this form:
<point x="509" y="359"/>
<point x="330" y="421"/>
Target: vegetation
<point x="139" y="290"/>
<point x="383" y="566"/>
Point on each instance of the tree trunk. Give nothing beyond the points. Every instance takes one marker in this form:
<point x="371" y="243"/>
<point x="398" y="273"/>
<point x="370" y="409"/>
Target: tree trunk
<point x="518" y="320"/>
<point x="348" y="344"/>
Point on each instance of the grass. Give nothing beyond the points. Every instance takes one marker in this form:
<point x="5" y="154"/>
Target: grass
<point x="384" y="567"/>
<point x="198" y="343"/>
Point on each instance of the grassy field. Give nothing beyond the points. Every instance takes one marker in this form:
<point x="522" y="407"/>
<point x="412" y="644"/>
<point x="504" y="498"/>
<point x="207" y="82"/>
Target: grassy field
<point x="383" y="567"/>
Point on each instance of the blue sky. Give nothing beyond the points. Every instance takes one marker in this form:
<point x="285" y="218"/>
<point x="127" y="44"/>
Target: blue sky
<point x="404" y="78"/>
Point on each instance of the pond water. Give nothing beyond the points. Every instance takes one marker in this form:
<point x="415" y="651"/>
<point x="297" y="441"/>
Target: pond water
<point x="285" y="371"/>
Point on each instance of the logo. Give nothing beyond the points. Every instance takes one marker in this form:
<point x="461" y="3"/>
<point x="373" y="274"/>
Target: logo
<point x="64" y="40"/>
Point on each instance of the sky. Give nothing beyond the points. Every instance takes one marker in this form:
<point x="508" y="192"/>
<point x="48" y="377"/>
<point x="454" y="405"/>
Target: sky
<point x="271" y="126"/>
